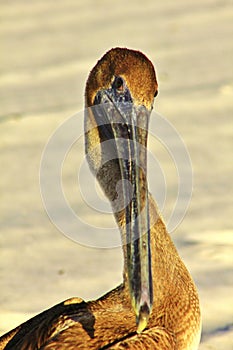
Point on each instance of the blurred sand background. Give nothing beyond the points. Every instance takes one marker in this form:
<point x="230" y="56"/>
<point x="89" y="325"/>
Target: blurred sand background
<point x="47" y="51"/>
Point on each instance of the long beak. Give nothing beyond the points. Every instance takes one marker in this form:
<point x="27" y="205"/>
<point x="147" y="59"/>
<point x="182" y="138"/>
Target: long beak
<point x="138" y="220"/>
<point x="129" y="128"/>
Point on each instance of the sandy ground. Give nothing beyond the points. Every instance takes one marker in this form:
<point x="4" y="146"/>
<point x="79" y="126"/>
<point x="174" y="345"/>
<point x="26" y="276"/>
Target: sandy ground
<point x="47" y="50"/>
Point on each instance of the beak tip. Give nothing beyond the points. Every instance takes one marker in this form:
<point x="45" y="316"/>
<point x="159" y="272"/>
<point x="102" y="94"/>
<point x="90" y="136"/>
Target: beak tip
<point x="142" y="318"/>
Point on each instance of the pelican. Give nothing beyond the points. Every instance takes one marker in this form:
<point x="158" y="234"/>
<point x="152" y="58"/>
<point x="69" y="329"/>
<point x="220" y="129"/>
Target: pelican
<point x="157" y="305"/>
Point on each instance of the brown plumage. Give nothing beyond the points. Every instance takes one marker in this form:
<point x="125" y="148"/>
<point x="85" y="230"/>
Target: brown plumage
<point x="109" y="322"/>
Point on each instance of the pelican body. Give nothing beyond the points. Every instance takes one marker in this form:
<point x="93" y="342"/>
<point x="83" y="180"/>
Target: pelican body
<point x="157" y="305"/>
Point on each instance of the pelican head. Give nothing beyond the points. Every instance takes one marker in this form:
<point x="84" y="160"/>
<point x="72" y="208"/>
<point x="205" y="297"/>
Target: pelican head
<point x="119" y="96"/>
